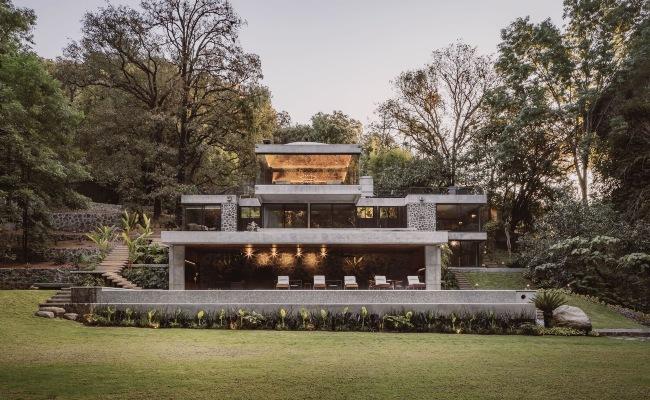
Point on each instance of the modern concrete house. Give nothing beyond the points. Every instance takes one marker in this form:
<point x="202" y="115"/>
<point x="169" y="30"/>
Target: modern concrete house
<point x="310" y="223"/>
<point x="311" y="213"/>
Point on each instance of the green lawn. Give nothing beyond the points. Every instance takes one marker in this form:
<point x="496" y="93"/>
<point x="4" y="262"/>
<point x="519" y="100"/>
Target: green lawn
<point x="49" y="359"/>
<point x="497" y="280"/>
<point x="601" y="316"/>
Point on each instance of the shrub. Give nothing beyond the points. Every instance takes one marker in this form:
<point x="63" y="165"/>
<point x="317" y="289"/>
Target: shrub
<point x="547" y="301"/>
<point x="304" y="319"/>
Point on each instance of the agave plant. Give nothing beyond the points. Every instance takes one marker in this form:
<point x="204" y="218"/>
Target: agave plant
<point x="547" y="301"/>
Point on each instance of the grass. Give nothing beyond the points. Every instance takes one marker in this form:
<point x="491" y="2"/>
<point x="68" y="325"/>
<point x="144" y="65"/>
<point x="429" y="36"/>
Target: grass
<point x="601" y="316"/>
<point x="47" y="359"/>
<point x="497" y="280"/>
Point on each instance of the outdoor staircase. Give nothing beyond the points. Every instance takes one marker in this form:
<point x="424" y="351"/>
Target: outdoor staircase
<point x="109" y="268"/>
<point x="60" y="299"/>
<point x="461" y="278"/>
<point x="113" y="264"/>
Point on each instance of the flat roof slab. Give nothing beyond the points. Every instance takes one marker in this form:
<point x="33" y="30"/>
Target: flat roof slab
<point x="358" y="236"/>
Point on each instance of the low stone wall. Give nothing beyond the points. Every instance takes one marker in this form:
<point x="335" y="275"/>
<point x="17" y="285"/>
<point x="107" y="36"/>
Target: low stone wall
<point x="86" y="220"/>
<point x="23" y="278"/>
<point x="68" y="254"/>
<point x="443" y="302"/>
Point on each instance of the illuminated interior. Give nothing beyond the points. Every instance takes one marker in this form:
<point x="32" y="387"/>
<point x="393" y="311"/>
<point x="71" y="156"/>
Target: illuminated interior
<point x="308" y="169"/>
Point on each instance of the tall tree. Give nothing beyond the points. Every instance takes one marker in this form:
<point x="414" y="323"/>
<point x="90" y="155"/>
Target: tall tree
<point x="624" y="146"/>
<point x="437" y="109"/>
<point x="183" y="62"/>
<point x="573" y="67"/>
<point x="39" y="162"/>
<point x="333" y="128"/>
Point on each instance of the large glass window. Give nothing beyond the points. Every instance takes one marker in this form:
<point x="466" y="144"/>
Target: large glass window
<point x="308" y="169"/>
<point x="343" y="216"/>
<point x="389" y="217"/>
<point x="465" y="253"/>
<point x="295" y="216"/>
<point x="320" y="216"/>
<point x="458" y="217"/>
<point x="285" y="216"/>
<point x="202" y="218"/>
<point x="249" y="214"/>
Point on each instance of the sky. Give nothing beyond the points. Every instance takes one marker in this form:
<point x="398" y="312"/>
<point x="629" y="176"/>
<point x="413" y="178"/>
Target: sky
<point x="326" y="55"/>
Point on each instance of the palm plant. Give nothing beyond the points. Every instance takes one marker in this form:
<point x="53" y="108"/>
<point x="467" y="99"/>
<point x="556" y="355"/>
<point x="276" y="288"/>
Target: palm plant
<point x="547" y="301"/>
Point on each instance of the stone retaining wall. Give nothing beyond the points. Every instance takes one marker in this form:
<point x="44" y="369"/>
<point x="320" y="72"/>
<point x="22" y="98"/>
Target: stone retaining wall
<point x="68" y="254"/>
<point x="85" y="220"/>
<point x="23" y="278"/>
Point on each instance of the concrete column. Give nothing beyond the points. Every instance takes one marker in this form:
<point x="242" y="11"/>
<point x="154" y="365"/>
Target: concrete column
<point x="176" y="267"/>
<point x="433" y="266"/>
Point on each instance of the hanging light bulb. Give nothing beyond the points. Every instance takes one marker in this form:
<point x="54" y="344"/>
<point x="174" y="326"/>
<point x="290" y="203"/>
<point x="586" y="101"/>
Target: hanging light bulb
<point x="248" y="252"/>
<point x="274" y="251"/>
<point x="323" y="251"/>
<point x="298" y="252"/>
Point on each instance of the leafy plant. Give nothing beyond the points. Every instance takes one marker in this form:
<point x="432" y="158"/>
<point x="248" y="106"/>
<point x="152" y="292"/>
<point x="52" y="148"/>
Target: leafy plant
<point x="283" y="315"/>
<point x="364" y="315"/>
<point x="130" y="222"/>
<point x="547" y="301"/>
<point x="305" y="315"/>
<point x="103" y="236"/>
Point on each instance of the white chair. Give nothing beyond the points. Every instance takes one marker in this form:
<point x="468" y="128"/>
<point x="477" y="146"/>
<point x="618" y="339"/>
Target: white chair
<point x="319" y="282"/>
<point x="283" y="282"/>
<point x="414" y="282"/>
<point x="350" y="282"/>
<point x="380" y="282"/>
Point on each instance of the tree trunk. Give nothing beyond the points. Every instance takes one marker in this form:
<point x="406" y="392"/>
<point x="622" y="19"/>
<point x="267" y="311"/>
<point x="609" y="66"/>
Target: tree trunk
<point x="157" y="209"/>
<point x="25" y="238"/>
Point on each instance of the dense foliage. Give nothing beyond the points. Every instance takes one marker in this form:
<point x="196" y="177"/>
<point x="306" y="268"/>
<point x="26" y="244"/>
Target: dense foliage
<point x="37" y="131"/>
<point x="311" y="320"/>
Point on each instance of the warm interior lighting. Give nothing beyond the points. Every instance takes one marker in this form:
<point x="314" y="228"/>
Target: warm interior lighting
<point x="473" y="215"/>
<point x="248" y="252"/>
<point x="454" y="243"/>
<point x="323" y="251"/>
<point x="274" y="251"/>
<point x="298" y="252"/>
<point x="308" y="168"/>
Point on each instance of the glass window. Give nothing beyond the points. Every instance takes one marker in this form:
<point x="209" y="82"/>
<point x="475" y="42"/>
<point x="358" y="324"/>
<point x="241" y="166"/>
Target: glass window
<point x="321" y="216"/>
<point x="365" y="212"/>
<point x="388" y="212"/>
<point x="459" y="217"/>
<point x="273" y="216"/>
<point x="295" y="216"/>
<point x="343" y="215"/>
<point x="249" y="214"/>
<point x="212" y="218"/>
<point x="194" y="218"/>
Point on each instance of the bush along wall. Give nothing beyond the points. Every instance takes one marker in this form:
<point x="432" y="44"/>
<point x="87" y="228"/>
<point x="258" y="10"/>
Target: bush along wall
<point x="311" y="320"/>
<point x="148" y="276"/>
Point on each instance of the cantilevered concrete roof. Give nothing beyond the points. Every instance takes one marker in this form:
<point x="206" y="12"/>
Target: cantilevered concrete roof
<point x="307" y="148"/>
<point x="306" y="236"/>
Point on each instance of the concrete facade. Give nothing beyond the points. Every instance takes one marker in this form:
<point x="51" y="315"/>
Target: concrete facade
<point x="442" y="302"/>
<point x="176" y="267"/>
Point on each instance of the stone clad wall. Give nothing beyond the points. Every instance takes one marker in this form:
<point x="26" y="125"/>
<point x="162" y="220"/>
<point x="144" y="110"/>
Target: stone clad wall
<point x="421" y="216"/>
<point x="84" y="221"/>
<point x="229" y="216"/>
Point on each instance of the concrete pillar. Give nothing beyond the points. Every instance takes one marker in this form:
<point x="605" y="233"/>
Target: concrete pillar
<point x="433" y="267"/>
<point x="176" y="267"/>
<point x="367" y="186"/>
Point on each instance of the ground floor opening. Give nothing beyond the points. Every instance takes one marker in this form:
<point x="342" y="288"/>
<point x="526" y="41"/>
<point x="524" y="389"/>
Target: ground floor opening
<point x="258" y="267"/>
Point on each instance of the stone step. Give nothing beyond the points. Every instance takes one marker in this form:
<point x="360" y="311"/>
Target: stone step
<point x="630" y="332"/>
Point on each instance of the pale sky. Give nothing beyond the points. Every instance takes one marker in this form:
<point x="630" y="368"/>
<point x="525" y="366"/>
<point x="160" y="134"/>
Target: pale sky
<point x="325" y="55"/>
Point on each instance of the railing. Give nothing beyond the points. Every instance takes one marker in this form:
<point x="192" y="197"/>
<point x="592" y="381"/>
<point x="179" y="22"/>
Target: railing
<point x="463" y="190"/>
